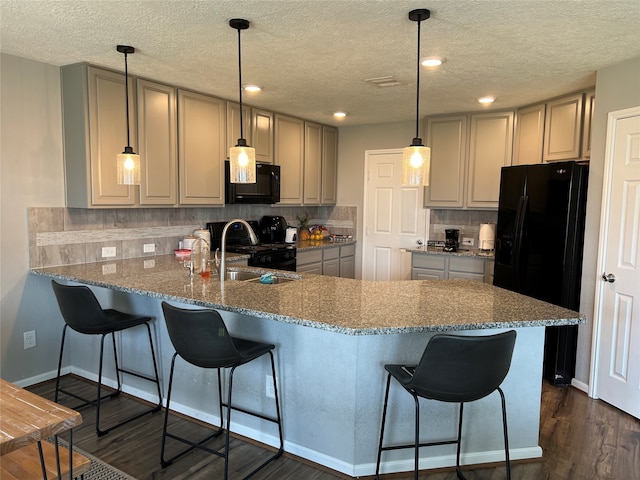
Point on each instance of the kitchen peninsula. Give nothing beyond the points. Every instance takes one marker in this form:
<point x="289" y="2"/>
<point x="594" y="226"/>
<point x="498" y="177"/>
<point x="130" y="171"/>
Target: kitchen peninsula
<point x="333" y="336"/>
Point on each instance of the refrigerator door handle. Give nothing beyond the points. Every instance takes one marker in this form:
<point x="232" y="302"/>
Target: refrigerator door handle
<point x="521" y="213"/>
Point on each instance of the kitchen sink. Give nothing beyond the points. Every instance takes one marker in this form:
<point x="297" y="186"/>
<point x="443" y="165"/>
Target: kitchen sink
<point x="244" y="276"/>
<point x="241" y="276"/>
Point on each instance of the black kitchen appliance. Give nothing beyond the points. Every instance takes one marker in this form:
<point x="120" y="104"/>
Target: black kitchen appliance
<point x="265" y="190"/>
<point x="538" y="249"/>
<point x="452" y="240"/>
<point x="279" y="256"/>
<point x="273" y="229"/>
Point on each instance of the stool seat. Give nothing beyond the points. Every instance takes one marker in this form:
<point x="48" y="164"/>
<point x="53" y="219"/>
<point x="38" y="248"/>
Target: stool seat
<point x="453" y="369"/>
<point x="82" y="313"/>
<point x="200" y="337"/>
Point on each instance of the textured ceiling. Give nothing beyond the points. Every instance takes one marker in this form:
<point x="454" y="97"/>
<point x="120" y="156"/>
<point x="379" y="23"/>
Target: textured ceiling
<point x="312" y="57"/>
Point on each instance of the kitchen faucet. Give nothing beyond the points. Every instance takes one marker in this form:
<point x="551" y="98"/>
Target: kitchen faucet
<point x="223" y="241"/>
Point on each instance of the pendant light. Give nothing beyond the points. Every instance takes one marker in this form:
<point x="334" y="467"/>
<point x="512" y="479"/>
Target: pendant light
<point x="416" y="158"/>
<point x="242" y="158"/>
<point x="128" y="162"/>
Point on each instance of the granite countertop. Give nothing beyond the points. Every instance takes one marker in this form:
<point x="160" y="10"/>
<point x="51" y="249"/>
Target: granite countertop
<point x="342" y="305"/>
<point x="471" y="252"/>
<point x="315" y="244"/>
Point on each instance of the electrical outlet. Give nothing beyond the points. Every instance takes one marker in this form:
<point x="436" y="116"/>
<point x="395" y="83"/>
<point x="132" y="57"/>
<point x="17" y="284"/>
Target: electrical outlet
<point x="269" y="391"/>
<point x="109" y="269"/>
<point x="467" y="241"/>
<point x="29" y="339"/>
<point x="149" y="248"/>
<point x="108" y="252"/>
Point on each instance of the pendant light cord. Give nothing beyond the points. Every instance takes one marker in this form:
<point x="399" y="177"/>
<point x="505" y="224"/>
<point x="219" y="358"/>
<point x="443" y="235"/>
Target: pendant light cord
<point x="126" y="93"/>
<point x="240" y="84"/>
<point x="418" y="82"/>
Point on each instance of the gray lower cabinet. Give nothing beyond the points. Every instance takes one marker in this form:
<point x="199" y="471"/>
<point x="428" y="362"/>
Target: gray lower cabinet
<point x="446" y="267"/>
<point x="338" y="261"/>
<point x="309" y="261"/>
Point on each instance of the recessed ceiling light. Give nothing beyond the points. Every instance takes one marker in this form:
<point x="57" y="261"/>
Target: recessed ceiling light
<point x="252" y="88"/>
<point x="486" y="100"/>
<point x="433" y="61"/>
<point x="340" y="115"/>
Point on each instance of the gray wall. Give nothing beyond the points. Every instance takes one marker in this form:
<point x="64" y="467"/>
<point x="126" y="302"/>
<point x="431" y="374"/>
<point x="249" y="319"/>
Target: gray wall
<point x="31" y="174"/>
<point x="617" y="88"/>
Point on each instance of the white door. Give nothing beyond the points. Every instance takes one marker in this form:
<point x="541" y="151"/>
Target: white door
<point x="393" y="218"/>
<point x="617" y="306"/>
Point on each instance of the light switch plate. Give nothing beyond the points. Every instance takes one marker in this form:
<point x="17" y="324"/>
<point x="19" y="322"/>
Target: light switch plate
<point x="108" y="252"/>
<point x="149" y="248"/>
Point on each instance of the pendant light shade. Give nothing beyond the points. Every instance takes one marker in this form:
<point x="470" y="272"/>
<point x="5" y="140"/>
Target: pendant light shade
<point x="416" y="158"/>
<point x="128" y="162"/>
<point x="242" y="158"/>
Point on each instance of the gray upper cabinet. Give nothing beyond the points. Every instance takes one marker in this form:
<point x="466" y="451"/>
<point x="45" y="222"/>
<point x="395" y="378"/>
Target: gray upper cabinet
<point x="201" y="148"/>
<point x="95" y="132"/>
<point x="467" y="153"/>
<point x="563" y="128"/>
<point x="529" y="135"/>
<point x="262" y="135"/>
<point x="157" y="134"/>
<point x="490" y="149"/>
<point x="312" y="163"/>
<point x="329" y="166"/>
<point x="447" y="137"/>
<point x="589" y="105"/>
<point x="289" y="154"/>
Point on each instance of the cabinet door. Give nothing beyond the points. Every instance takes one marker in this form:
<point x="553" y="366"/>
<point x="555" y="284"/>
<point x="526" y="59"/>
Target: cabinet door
<point x="312" y="163"/>
<point x="529" y="135"/>
<point x="233" y="125"/>
<point x="310" y="268"/>
<point x="329" y="166"/>
<point x="262" y="135"/>
<point x="289" y="154"/>
<point x="108" y="135"/>
<point x="447" y="137"/>
<point x="490" y="149"/>
<point x="562" y="129"/>
<point x="157" y="139"/>
<point x="426" y="274"/>
<point x="589" y="104"/>
<point x="201" y="141"/>
<point x="331" y="267"/>
<point x="348" y="266"/>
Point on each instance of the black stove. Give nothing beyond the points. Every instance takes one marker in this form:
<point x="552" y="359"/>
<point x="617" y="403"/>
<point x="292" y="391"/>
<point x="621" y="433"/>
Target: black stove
<point x="280" y="256"/>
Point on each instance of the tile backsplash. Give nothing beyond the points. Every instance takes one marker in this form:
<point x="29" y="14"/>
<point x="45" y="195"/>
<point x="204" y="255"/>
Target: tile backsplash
<point x="467" y="221"/>
<point x="66" y="236"/>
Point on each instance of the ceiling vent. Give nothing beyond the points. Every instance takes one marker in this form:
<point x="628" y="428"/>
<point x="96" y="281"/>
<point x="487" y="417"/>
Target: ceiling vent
<point x="383" y="82"/>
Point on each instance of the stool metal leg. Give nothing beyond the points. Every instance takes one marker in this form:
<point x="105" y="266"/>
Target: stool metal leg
<point x="506" y="435"/>
<point x="384" y="417"/>
<point x="458" y="471"/>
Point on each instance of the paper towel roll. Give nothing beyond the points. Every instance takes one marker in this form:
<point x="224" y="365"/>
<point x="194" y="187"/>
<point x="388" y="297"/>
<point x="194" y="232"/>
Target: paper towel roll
<point x="487" y="236"/>
<point x="204" y="234"/>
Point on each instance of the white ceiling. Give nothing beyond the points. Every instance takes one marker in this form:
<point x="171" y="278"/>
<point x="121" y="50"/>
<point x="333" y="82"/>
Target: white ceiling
<point x="312" y="57"/>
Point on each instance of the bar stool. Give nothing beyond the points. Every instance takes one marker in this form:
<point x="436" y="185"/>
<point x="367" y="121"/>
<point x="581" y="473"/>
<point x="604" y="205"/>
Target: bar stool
<point x="457" y="369"/>
<point x="200" y="337"/>
<point x="82" y="312"/>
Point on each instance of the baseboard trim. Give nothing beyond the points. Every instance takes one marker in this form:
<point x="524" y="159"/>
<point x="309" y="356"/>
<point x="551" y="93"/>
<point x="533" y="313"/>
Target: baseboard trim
<point x="580" y="385"/>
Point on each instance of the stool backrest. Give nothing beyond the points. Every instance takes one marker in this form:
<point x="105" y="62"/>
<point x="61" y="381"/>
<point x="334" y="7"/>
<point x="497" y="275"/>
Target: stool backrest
<point x="80" y="308"/>
<point x="456" y="368"/>
<point x="200" y="337"/>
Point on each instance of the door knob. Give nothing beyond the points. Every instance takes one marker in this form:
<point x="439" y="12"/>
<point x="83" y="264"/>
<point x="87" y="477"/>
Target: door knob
<point x="609" y="277"/>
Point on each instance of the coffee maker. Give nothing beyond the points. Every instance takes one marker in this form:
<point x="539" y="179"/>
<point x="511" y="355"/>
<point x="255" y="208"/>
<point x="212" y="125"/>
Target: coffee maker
<point x="451" y="241"/>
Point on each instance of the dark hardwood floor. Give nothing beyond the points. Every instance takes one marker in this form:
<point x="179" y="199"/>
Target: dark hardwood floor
<point x="581" y="439"/>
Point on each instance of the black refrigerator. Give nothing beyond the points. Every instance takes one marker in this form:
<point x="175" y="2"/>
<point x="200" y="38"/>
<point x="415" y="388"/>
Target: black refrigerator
<point x="538" y="248"/>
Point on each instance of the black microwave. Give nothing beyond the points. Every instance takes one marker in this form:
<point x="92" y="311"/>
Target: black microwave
<point x="265" y="190"/>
